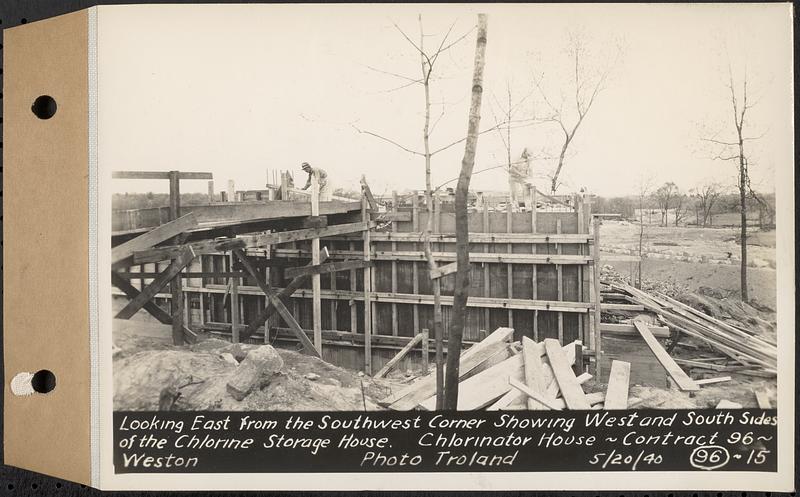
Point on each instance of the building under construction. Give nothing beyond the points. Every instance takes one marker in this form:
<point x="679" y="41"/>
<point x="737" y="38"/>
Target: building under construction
<point x="348" y="281"/>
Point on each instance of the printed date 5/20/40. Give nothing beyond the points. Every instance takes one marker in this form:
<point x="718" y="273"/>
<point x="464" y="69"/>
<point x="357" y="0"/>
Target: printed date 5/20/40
<point x="615" y="459"/>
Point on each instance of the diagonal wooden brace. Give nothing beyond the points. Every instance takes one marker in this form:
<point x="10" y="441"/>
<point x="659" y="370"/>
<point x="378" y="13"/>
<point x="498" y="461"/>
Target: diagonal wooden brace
<point x="275" y="303"/>
<point x="132" y="293"/>
<point x="162" y="280"/>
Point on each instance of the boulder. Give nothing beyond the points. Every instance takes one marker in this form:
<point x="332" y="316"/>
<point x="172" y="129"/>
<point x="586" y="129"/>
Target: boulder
<point x="236" y="351"/>
<point x="256" y="368"/>
<point x="210" y="344"/>
<point x="228" y="357"/>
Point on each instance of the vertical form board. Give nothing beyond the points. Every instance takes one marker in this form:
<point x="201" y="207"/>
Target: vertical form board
<point x="49" y="57"/>
<point x="598" y="343"/>
<point x="235" y="317"/>
<point x="367" y="290"/>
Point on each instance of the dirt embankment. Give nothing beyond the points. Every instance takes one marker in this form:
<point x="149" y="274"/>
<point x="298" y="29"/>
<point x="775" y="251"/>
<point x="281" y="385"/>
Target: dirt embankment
<point x="151" y="374"/>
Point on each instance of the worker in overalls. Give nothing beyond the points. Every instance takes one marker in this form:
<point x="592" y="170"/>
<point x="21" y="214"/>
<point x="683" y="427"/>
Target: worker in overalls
<point x="322" y="181"/>
<point x="520" y="181"/>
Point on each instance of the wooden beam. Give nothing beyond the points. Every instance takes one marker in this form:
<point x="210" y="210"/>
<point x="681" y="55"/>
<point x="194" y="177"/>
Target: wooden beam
<point x="673" y="370"/>
<point x="534" y="396"/>
<point x="285" y="293"/>
<point x="475" y="257"/>
<point x="277" y="303"/>
<point x="711" y="381"/>
<point x="186" y="274"/>
<point x="158" y="175"/>
<point x="567" y="383"/>
<point x="373" y="205"/>
<point x="534" y="373"/>
<point x="597" y="300"/>
<point x="121" y="253"/>
<point x="516" y="238"/>
<point x="762" y="399"/>
<point x="132" y="293"/>
<point x="442" y="271"/>
<point x="394" y="217"/>
<point x="157" y="285"/>
<point x="630" y="330"/>
<point x="308" y="346"/>
<point x="399" y="356"/>
<point x="329" y="267"/>
<point x="618" y="384"/>
<point x="249" y="241"/>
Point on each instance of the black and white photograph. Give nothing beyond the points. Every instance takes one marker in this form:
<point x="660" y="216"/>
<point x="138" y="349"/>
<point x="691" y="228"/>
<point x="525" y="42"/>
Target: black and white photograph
<point x="470" y="220"/>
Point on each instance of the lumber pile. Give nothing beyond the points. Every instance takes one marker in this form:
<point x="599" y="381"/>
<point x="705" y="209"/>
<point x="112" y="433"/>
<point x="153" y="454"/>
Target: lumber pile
<point x="751" y="352"/>
<point x="498" y="374"/>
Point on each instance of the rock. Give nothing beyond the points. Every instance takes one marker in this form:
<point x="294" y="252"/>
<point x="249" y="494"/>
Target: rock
<point x="228" y="357"/>
<point x="236" y="351"/>
<point x="312" y="376"/>
<point x="256" y="368"/>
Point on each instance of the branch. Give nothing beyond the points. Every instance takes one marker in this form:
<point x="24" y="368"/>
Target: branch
<point x="393" y="74"/>
<point x="385" y="139"/>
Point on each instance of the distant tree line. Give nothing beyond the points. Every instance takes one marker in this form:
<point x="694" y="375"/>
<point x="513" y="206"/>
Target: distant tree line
<point x="698" y="206"/>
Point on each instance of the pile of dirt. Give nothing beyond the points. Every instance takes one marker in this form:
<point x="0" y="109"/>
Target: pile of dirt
<point x="150" y="374"/>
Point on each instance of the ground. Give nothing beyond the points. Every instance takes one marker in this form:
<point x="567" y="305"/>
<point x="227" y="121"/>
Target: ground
<point x="695" y="257"/>
<point x="146" y="363"/>
<point x="701" y="268"/>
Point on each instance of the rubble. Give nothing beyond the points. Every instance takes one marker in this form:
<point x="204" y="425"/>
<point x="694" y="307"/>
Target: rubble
<point x="256" y="369"/>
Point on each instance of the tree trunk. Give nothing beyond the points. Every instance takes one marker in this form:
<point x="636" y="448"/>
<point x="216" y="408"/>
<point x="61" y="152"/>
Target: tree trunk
<point x="743" y="206"/>
<point x="461" y="293"/>
<point x="438" y="322"/>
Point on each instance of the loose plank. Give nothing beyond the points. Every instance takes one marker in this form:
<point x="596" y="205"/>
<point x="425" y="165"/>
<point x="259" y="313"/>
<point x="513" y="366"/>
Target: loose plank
<point x="763" y="399"/>
<point x="567" y="383"/>
<point x="535" y="396"/>
<point x="618" y="384"/>
<point x="534" y="373"/>
<point x="673" y="370"/>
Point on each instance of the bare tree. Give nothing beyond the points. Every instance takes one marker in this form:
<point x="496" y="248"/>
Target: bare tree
<point x="570" y="113"/>
<point x="732" y="149"/>
<point x="461" y="293"/>
<point x="681" y="208"/>
<point x="664" y="196"/>
<point x="706" y="196"/>
<point x="642" y="196"/>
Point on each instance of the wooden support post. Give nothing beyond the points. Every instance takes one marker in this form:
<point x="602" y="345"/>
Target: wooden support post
<point x="598" y="346"/>
<point x="211" y="192"/>
<point x="394" y="267"/>
<point x="560" y="280"/>
<point x="353" y="286"/>
<point x="315" y="279"/>
<point x="234" y="304"/>
<point x="367" y="293"/>
<point x="425" y="351"/>
<point x="334" y="303"/>
<point x="415" y="265"/>
<point x="176" y="287"/>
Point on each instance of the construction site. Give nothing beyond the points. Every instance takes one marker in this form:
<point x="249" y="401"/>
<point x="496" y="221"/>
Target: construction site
<point x="274" y="300"/>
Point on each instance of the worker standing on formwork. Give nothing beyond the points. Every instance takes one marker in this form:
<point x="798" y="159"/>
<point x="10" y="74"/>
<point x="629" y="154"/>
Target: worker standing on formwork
<point x="520" y="180"/>
<point x="322" y="181"/>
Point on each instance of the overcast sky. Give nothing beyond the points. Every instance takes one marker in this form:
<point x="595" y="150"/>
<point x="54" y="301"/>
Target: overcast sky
<point x="241" y="89"/>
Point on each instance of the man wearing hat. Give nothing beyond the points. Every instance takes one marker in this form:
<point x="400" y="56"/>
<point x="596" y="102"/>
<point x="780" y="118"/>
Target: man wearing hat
<point x="322" y="181"/>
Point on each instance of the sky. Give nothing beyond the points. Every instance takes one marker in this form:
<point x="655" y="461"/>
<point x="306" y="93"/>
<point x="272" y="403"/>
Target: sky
<point x="240" y="90"/>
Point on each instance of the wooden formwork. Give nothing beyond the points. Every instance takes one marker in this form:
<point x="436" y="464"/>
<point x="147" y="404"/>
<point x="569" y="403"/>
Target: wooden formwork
<point x="530" y="270"/>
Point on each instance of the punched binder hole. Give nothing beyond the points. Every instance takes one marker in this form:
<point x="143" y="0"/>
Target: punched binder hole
<point x="44" y="107"/>
<point x="43" y="381"/>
